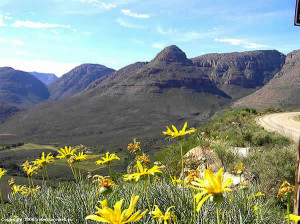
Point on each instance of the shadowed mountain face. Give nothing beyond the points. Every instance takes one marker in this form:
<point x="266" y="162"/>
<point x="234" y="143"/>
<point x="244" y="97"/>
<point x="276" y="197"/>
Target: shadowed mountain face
<point x="20" y="88"/>
<point x="77" y="80"/>
<point x="7" y="110"/>
<point x="46" y="78"/>
<point x="138" y="100"/>
<point x="282" y="91"/>
<point x="240" y="73"/>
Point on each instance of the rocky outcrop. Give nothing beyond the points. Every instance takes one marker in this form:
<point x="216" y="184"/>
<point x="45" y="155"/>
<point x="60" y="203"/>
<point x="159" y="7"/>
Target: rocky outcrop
<point x="46" y="78"/>
<point x="282" y="91"/>
<point x="245" y="69"/>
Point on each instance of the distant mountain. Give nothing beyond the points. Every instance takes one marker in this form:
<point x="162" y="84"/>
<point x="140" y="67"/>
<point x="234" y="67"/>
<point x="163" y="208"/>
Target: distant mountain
<point x="77" y="80"/>
<point x="21" y="88"/>
<point x="282" y="91"/>
<point x="140" y="99"/>
<point x="241" y="73"/>
<point x="46" y="78"/>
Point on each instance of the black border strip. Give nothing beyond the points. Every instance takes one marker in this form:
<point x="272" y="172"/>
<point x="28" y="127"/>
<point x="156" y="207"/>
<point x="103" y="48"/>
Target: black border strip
<point x="297" y="16"/>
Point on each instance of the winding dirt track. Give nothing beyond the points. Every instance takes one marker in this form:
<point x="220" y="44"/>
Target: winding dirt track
<point x="282" y="123"/>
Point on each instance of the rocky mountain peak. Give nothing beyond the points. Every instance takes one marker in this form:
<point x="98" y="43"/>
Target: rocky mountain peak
<point x="172" y="54"/>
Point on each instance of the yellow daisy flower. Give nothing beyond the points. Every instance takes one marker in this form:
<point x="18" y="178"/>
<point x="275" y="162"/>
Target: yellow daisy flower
<point x="143" y="172"/>
<point x="239" y="168"/>
<point x="2" y="172"/>
<point x="43" y="160"/>
<point x="285" y="188"/>
<point x="117" y="216"/>
<point x="80" y="157"/>
<point x="135" y="147"/>
<point x="66" y="153"/>
<point x="166" y="218"/>
<point x="211" y="186"/>
<point x="107" y="158"/>
<point x="178" y="134"/>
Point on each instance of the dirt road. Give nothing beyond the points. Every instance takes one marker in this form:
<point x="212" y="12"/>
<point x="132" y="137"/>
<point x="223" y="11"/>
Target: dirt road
<point x="282" y="123"/>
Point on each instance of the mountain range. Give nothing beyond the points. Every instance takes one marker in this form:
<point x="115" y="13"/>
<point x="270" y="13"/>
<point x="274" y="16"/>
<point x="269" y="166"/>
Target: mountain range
<point x="95" y="105"/>
<point x="46" y="78"/>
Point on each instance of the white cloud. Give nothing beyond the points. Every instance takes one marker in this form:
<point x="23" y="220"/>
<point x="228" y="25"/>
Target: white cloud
<point x="58" y="68"/>
<point x="87" y="33"/>
<point x="98" y="4"/>
<point x="128" y="12"/>
<point x="242" y="42"/>
<point x="232" y="41"/>
<point x="37" y="25"/>
<point x="187" y="36"/>
<point x="1" y="21"/>
<point x="158" y="45"/>
<point x="24" y="53"/>
<point x="7" y="17"/>
<point x="74" y="30"/>
<point x="54" y="31"/>
<point x="129" y="24"/>
<point x="32" y="13"/>
<point x="14" y="42"/>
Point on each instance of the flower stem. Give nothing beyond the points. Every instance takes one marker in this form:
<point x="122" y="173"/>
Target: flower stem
<point x="288" y="209"/>
<point x="109" y="169"/>
<point x="194" y="205"/>
<point x="2" y="202"/>
<point x="218" y="212"/>
<point x="182" y="170"/>
<point x="79" y="171"/>
<point x="146" y="191"/>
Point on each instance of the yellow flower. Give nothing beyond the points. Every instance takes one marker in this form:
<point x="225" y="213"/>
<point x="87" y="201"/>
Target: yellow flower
<point x="143" y="159"/>
<point x="285" y="188"/>
<point x="293" y="217"/>
<point x="105" y="184"/>
<point x="116" y="216"/>
<point x="211" y="185"/>
<point x="26" y="165"/>
<point x="2" y="172"/>
<point x="66" y="153"/>
<point x="256" y="207"/>
<point x="176" y="134"/>
<point x="143" y="172"/>
<point x="135" y="147"/>
<point x="259" y="194"/>
<point x="80" y="157"/>
<point x="176" y="181"/>
<point x="31" y="170"/>
<point x="239" y="168"/>
<point x="107" y="158"/>
<point x="166" y="218"/>
<point x="18" y="188"/>
<point x="43" y="161"/>
<point x="192" y="175"/>
<point x="30" y="190"/>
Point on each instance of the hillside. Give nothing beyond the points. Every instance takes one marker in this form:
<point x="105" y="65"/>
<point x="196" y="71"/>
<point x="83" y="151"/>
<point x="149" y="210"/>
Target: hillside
<point x="282" y="91"/>
<point x="19" y="88"/>
<point x="136" y="101"/>
<point x="77" y="80"/>
<point x="46" y="78"/>
<point x="140" y="99"/>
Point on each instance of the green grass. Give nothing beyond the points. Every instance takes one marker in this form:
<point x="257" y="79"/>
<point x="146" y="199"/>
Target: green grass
<point x="76" y="201"/>
<point x="265" y="164"/>
<point x="271" y="161"/>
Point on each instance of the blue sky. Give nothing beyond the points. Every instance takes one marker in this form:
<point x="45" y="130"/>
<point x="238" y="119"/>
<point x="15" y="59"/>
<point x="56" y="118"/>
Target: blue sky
<point x="56" y="35"/>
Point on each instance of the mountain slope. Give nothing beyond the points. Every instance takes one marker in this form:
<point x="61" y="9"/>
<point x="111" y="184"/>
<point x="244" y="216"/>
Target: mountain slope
<point x="282" y="91"/>
<point x="241" y="73"/>
<point x="46" y="78"/>
<point x="136" y="101"/>
<point x="77" y="80"/>
<point x="21" y="88"/>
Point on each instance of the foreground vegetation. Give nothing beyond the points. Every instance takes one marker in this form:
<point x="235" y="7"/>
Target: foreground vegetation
<point x="174" y="189"/>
